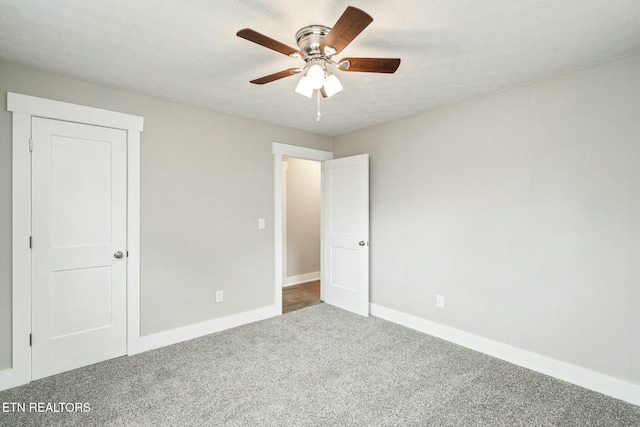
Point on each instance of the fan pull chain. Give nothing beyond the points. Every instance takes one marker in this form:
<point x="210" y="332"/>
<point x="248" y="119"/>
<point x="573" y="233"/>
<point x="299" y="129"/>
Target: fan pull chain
<point x="318" y="104"/>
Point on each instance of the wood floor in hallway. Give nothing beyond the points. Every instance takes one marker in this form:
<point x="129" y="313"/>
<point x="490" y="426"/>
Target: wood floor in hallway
<point x="300" y="296"/>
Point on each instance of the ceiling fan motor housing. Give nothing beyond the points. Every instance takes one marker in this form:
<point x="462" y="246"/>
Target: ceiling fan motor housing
<point x="310" y="38"/>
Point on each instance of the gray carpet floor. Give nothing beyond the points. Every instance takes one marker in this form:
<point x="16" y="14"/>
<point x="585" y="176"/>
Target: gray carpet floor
<point x="316" y="366"/>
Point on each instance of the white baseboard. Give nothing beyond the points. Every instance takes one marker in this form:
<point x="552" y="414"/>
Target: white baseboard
<point x="6" y="379"/>
<point x="174" y="336"/>
<point x="10" y="378"/>
<point x="574" y="374"/>
<point x="301" y="278"/>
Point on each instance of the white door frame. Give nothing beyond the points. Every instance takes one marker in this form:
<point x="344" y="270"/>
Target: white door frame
<point x="24" y="108"/>
<point x="280" y="151"/>
<point x="285" y="274"/>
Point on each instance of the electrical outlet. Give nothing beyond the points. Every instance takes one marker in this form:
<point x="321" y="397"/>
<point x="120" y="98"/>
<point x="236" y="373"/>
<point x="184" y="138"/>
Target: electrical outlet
<point x="261" y="223"/>
<point x="440" y="301"/>
<point x="219" y="296"/>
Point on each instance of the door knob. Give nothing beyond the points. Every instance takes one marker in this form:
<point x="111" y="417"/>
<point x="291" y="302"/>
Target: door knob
<point x="118" y="254"/>
<point x="361" y="243"/>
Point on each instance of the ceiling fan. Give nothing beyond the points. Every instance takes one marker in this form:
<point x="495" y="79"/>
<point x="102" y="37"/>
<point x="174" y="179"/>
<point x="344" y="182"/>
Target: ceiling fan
<point x="317" y="45"/>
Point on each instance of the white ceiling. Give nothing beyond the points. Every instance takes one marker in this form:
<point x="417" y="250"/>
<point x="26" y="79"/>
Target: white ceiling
<point x="187" y="51"/>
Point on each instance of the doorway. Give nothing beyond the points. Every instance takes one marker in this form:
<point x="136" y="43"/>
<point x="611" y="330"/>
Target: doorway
<point x="344" y="241"/>
<point x="280" y="152"/>
<point x="301" y="204"/>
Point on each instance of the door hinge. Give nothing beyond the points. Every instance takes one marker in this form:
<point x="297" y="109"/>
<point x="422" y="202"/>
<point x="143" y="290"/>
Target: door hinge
<point x="30" y="340"/>
<point x="30" y="144"/>
<point x="30" y="242"/>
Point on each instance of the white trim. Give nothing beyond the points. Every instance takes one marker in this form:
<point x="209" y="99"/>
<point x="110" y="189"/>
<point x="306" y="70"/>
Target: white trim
<point x="174" y="336"/>
<point x="50" y="109"/>
<point x="24" y="108"/>
<point x="285" y="260"/>
<point x="279" y="151"/>
<point x="574" y="374"/>
<point x="287" y="150"/>
<point x="8" y="378"/>
<point x="301" y="278"/>
<point x="20" y="371"/>
<point x="133" y="242"/>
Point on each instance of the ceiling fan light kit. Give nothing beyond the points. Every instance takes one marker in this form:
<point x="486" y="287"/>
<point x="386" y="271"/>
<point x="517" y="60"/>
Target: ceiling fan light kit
<point x="305" y="87"/>
<point x="332" y="85"/>
<point x="315" y="74"/>
<point x="316" y="46"/>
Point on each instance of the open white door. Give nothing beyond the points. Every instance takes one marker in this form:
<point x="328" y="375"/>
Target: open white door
<point x="345" y="234"/>
<point x="79" y="300"/>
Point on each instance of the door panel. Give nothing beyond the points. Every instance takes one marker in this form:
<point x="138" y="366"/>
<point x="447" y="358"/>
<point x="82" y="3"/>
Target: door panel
<point x="80" y="192"/>
<point x="343" y="273"/>
<point x="78" y="223"/>
<point x="72" y="300"/>
<point x="345" y="270"/>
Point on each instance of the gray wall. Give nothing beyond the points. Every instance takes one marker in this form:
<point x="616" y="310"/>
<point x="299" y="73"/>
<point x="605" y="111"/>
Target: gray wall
<point x="303" y="216"/>
<point x="206" y="179"/>
<point x="523" y="209"/>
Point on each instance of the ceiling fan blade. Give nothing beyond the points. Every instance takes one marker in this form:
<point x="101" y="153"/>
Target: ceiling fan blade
<point x="276" y="76"/>
<point x="349" y="25"/>
<point x="268" y="42"/>
<point x="370" y="65"/>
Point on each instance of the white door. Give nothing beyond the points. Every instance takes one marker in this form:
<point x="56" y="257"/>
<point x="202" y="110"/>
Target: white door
<point x="345" y="223"/>
<point x="79" y="245"/>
